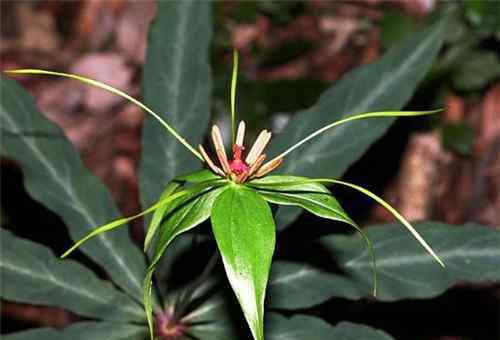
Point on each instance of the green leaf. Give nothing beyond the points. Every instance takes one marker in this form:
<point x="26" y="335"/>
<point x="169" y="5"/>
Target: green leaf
<point x="471" y="253"/>
<point x="182" y="216"/>
<point x="197" y="177"/>
<point x="162" y="202"/>
<point x="177" y="82"/>
<point x="300" y="285"/>
<point x="35" y="334"/>
<point x="32" y="274"/>
<point x="166" y="273"/>
<point x="84" y="331"/>
<point x="159" y="213"/>
<point x="301" y="327"/>
<point x="395" y="26"/>
<point x="244" y="229"/>
<point x="55" y="176"/>
<point x="384" y="85"/>
<point x="212" y="320"/>
<point x="293" y="190"/>
<point x="477" y="70"/>
<point x="317" y="199"/>
<point x="458" y="137"/>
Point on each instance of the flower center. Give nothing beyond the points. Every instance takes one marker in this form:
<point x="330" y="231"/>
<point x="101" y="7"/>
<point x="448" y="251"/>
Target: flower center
<point x="167" y="327"/>
<point x="239" y="169"/>
<point x="237" y="164"/>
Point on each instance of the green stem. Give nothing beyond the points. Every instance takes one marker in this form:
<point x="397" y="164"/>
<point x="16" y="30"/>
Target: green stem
<point x="393" y="211"/>
<point x="376" y="198"/>
<point x="234" y="80"/>
<point x="350" y="118"/>
<point x="120" y="93"/>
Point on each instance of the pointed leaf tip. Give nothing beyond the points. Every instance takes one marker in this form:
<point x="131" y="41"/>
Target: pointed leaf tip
<point x="244" y="229"/>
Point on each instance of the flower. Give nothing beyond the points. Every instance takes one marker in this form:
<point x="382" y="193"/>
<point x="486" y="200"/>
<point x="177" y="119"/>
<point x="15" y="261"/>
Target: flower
<point x="238" y="169"/>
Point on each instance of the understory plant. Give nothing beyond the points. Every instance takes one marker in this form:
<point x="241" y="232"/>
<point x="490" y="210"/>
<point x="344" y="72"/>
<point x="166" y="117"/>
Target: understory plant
<point x="235" y="195"/>
<point x="237" y="192"/>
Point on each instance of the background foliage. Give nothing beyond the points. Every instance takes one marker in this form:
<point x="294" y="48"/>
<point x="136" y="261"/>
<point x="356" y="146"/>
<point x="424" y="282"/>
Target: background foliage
<point x="293" y="65"/>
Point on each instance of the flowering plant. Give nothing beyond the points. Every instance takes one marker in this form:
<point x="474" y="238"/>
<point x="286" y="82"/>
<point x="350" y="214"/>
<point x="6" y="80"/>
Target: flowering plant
<point x="235" y="195"/>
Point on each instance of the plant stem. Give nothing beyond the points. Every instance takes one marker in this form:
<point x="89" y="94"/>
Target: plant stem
<point x="234" y="80"/>
<point x="120" y="93"/>
<point x="354" y="117"/>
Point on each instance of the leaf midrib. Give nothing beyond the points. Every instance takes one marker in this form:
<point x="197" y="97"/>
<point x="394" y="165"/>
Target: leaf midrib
<point x="50" y="278"/>
<point x="67" y="187"/>
<point x="365" y="104"/>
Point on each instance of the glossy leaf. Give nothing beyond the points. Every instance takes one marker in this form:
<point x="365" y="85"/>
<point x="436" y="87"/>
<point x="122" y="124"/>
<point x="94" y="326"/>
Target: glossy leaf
<point x="199" y="176"/>
<point x="300" y="327"/>
<point x="158" y="205"/>
<point x="385" y="84"/>
<point x="83" y="331"/>
<point x="55" y="176"/>
<point x="317" y="199"/>
<point x="213" y="320"/>
<point x="293" y="190"/>
<point x="158" y="214"/>
<point x="184" y="215"/>
<point x="296" y="285"/>
<point x="32" y="274"/>
<point x="181" y="217"/>
<point x="471" y="253"/>
<point x="177" y="83"/>
<point x="244" y="229"/>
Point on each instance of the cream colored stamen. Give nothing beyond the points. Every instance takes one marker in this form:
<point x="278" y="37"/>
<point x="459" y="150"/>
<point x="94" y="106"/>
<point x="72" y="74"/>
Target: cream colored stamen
<point x="217" y="140"/>
<point x="209" y="162"/>
<point x="240" y="136"/>
<point x="255" y="166"/>
<point x="221" y="155"/>
<point x="268" y="167"/>
<point x="219" y="149"/>
<point x="258" y="147"/>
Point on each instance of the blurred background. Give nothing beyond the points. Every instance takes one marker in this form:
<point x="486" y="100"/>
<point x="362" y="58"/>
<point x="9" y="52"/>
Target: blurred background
<point x="445" y="168"/>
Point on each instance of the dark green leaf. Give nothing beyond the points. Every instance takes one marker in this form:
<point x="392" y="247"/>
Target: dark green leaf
<point x="35" y="334"/>
<point x="197" y="177"/>
<point x="178" y="249"/>
<point x="177" y="83"/>
<point x="244" y="229"/>
<point x="477" y="71"/>
<point x="291" y="190"/>
<point x="471" y="254"/>
<point x="212" y="320"/>
<point x="181" y="216"/>
<point x="317" y="199"/>
<point x="32" y="274"/>
<point x="458" y="137"/>
<point x="159" y="213"/>
<point x="300" y="327"/>
<point x="184" y="215"/>
<point x="395" y="26"/>
<point x="84" y="331"/>
<point x="55" y="176"/>
<point x="301" y="285"/>
<point x="384" y="85"/>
